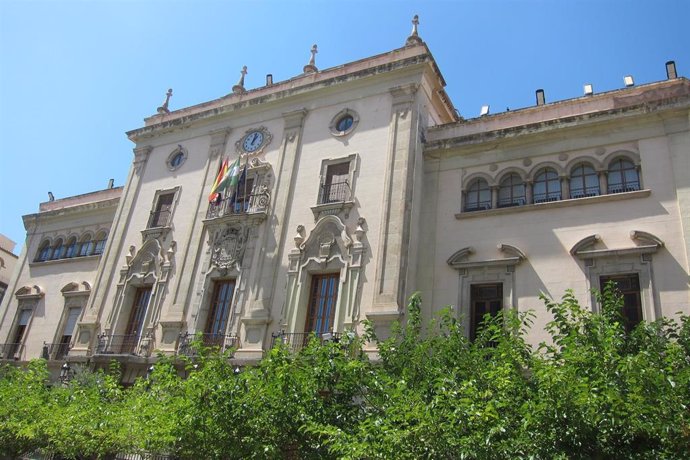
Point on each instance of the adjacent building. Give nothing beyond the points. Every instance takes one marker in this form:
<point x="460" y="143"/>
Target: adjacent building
<point x="356" y="186"/>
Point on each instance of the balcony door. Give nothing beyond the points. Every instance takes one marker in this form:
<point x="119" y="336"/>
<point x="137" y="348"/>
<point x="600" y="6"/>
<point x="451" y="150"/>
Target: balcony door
<point x="136" y="319"/>
<point x="322" y="300"/>
<point x="219" y="312"/>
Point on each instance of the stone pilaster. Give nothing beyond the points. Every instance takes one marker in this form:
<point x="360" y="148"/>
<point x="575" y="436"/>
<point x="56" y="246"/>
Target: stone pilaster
<point x="87" y="329"/>
<point x="183" y="286"/>
<point x="395" y="224"/>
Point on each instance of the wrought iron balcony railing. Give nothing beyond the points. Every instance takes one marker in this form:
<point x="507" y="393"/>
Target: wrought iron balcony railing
<point x="254" y="203"/>
<point x="221" y="342"/>
<point x="334" y="192"/>
<point x="117" y="344"/>
<point x="295" y="341"/>
<point x="11" y="350"/>
<point x="55" y="351"/>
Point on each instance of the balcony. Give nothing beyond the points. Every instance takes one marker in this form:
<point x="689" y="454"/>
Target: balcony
<point x="333" y="198"/>
<point x="118" y="344"/>
<point x="256" y="203"/>
<point x="55" y="351"/>
<point x="11" y="351"/>
<point x="218" y="342"/>
<point x="296" y="341"/>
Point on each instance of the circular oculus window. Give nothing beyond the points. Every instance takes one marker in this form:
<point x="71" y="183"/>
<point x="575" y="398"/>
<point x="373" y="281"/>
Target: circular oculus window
<point x="176" y="158"/>
<point x="344" y="122"/>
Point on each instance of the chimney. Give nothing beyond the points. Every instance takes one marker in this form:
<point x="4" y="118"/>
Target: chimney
<point x="269" y="79"/>
<point x="111" y="183"/>
<point x="541" y="100"/>
<point x="671" y="70"/>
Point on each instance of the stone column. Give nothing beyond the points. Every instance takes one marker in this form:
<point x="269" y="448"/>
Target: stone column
<point x="565" y="187"/>
<point x="603" y="182"/>
<point x="395" y="210"/>
<point x="494" y="196"/>
<point x="529" y="198"/>
<point x="257" y="316"/>
<point x="106" y="275"/>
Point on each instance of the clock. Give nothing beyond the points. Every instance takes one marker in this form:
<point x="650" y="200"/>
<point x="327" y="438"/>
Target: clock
<point x="254" y="140"/>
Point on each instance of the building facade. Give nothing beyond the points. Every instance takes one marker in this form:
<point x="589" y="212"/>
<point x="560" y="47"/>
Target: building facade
<point x="357" y="186"/>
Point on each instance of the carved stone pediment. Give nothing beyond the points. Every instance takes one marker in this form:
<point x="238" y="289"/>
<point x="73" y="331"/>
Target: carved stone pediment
<point x="147" y="260"/>
<point x="328" y="239"/>
<point x="227" y="246"/>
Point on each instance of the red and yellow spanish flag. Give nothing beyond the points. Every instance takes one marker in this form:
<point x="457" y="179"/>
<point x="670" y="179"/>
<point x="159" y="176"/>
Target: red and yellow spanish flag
<point x="220" y="179"/>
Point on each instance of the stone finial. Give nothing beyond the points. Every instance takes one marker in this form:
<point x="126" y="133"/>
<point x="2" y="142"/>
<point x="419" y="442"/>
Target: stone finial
<point x="311" y="67"/>
<point x="164" y="108"/>
<point x="414" y="39"/>
<point x="239" y="87"/>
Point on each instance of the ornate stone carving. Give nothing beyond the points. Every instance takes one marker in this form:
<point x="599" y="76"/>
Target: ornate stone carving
<point x="164" y="107"/>
<point x="228" y="246"/>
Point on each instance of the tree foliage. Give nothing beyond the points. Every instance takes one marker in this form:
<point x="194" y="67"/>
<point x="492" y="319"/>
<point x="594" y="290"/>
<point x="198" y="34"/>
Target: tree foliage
<point x="592" y="391"/>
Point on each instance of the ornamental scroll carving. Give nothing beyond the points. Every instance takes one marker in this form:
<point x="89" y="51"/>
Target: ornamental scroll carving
<point x="228" y="246"/>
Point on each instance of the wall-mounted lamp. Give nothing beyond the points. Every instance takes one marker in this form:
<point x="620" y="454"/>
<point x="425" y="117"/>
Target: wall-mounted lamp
<point x="589" y="90"/>
<point x="149" y="371"/>
<point x="65" y="373"/>
<point x="541" y="99"/>
<point x="484" y="111"/>
<point x="671" y="70"/>
<point x="628" y="80"/>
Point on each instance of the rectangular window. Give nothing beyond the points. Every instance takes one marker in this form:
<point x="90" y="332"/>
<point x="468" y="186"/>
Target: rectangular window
<point x="322" y="298"/>
<point x="629" y="287"/>
<point x="67" y="332"/>
<point x="219" y="311"/>
<point x="335" y="186"/>
<point x="160" y="216"/>
<point x="485" y="298"/>
<point x="135" y="324"/>
<point x="13" y="348"/>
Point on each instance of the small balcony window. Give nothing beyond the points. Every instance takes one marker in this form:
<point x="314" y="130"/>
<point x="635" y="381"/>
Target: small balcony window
<point x="336" y="186"/>
<point x="160" y="216"/>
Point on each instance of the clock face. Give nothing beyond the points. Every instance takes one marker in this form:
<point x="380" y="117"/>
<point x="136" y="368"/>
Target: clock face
<point x="253" y="141"/>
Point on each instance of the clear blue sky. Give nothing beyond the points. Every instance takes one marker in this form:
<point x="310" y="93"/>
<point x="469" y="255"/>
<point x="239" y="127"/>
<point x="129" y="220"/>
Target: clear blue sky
<point x="75" y="75"/>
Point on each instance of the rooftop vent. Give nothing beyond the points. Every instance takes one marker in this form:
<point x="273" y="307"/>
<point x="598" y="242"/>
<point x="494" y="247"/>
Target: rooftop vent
<point x="628" y="80"/>
<point x="589" y="90"/>
<point x="541" y="100"/>
<point x="269" y="79"/>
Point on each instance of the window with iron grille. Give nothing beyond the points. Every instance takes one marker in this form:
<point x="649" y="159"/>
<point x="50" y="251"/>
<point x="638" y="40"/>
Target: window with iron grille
<point x="511" y="191"/>
<point x="335" y="186"/>
<point x="584" y="181"/>
<point x="160" y="216"/>
<point x="547" y="186"/>
<point x="623" y="176"/>
<point x="478" y="196"/>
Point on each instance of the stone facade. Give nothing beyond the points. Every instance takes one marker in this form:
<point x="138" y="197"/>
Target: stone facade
<point x="362" y="185"/>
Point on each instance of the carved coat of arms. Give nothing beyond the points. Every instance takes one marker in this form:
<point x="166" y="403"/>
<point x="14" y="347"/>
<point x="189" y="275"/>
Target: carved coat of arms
<point x="228" y="247"/>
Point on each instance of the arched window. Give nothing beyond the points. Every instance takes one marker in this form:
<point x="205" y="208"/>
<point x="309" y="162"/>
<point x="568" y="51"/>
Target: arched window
<point x="44" y="252"/>
<point x="478" y="196"/>
<point x="547" y="186"/>
<point x="584" y="181"/>
<point x="623" y="176"/>
<point x="85" y="246"/>
<point x="99" y="243"/>
<point x="71" y="247"/>
<point x="58" y="250"/>
<point x="511" y="191"/>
